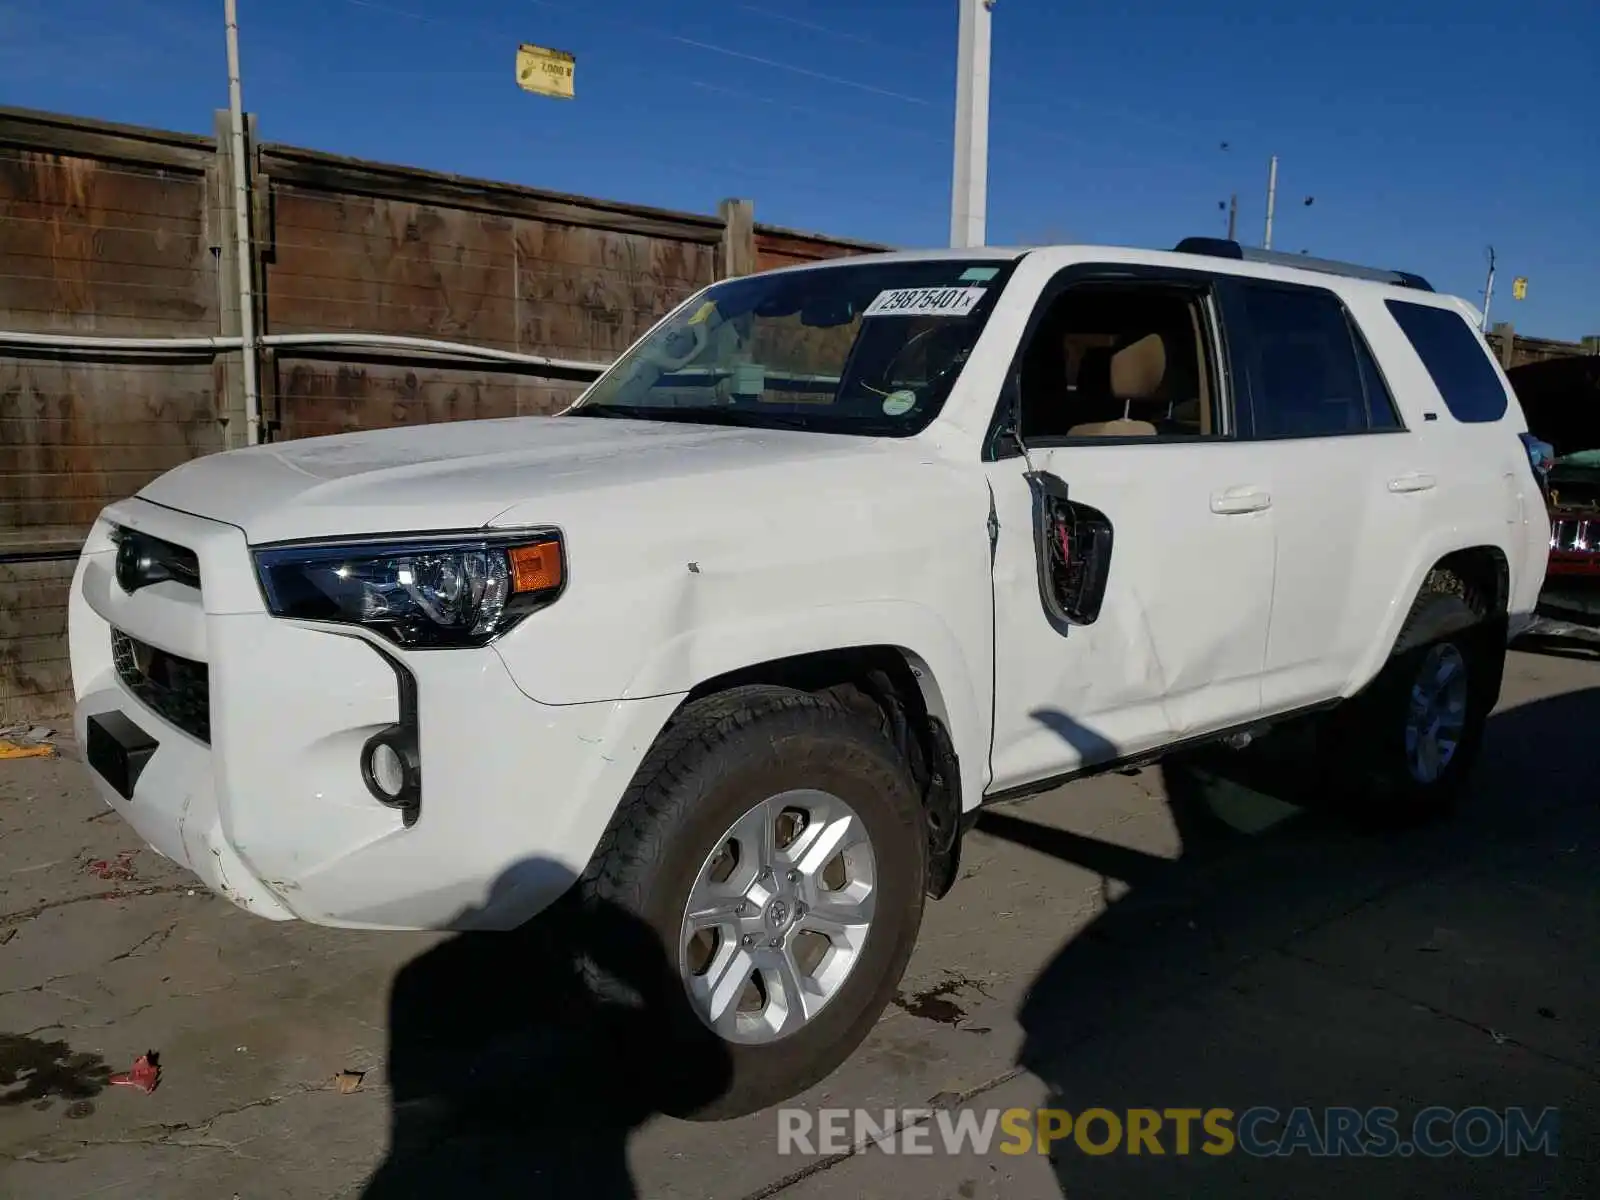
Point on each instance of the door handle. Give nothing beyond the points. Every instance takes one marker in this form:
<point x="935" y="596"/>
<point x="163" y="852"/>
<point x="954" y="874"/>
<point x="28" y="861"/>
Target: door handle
<point x="1415" y="482"/>
<point x="1240" y="500"/>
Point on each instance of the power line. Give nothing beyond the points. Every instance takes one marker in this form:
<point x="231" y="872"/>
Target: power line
<point x="811" y="110"/>
<point x="829" y="31"/>
<point x="649" y="31"/>
<point x="768" y="62"/>
<point x="634" y="26"/>
<point x="1009" y="125"/>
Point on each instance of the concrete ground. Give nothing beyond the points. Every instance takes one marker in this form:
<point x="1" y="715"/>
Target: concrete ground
<point x="1163" y="940"/>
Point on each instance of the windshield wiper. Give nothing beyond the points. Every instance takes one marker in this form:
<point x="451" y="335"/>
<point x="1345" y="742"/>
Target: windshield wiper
<point x="745" y="418"/>
<point x="742" y="417"/>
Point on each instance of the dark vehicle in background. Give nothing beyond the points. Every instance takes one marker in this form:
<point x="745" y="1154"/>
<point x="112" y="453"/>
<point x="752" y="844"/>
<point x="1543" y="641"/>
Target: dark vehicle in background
<point x="1561" y="399"/>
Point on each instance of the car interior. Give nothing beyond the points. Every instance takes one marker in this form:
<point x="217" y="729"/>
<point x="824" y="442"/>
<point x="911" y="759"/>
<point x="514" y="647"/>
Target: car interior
<point x="1118" y="360"/>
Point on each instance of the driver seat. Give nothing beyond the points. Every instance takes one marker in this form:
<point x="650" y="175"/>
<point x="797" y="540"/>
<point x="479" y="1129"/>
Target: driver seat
<point x="1109" y="383"/>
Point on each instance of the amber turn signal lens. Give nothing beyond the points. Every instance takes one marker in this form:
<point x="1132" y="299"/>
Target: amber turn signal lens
<point x="535" y="568"/>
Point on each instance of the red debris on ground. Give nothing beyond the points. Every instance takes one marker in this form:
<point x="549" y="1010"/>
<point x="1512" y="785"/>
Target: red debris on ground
<point x="118" y="870"/>
<point x="145" y="1074"/>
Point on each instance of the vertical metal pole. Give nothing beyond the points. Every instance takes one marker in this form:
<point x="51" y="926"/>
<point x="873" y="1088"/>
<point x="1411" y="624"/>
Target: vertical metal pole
<point x="241" y="224"/>
<point x="970" y="178"/>
<point x="1233" y="214"/>
<point x="1272" y="200"/>
<point x="1488" y="291"/>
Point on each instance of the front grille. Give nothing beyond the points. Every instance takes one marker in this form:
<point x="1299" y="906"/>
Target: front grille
<point x="1574" y="534"/>
<point x="177" y="688"/>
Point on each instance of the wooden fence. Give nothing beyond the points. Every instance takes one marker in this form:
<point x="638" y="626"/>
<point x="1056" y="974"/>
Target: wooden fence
<point x="115" y="231"/>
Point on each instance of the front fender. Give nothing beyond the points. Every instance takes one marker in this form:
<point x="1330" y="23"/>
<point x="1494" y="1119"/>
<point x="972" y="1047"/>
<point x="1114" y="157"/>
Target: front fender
<point x="953" y="676"/>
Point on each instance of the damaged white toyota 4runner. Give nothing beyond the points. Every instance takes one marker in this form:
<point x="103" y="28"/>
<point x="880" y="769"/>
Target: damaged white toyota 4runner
<point x="833" y="556"/>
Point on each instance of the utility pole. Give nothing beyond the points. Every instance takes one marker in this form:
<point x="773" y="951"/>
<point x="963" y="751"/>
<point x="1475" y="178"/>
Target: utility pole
<point x="1488" y="291"/>
<point x="1233" y="215"/>
<point x="970" y="180"/>
<point x="241" y="223"/>
<point x="1272" y="200"/>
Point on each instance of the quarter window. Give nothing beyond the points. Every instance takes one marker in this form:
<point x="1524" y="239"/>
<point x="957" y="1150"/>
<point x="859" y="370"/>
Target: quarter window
<point x="1456" y="360"/>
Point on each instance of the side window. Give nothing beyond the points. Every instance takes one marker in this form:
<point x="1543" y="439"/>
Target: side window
<point x="1381" y="410"/>
<point x="1307" y="380"/>
<point x="1455" y="358"/>
<point x="1122" y="360"/>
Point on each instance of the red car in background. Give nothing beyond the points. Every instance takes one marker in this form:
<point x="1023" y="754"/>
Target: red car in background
<point x="1562" y="401"/>
<point x="1570" y="602"/>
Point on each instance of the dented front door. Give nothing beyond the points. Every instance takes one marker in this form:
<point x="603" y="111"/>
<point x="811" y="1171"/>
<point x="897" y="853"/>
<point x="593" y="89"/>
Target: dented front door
<point x="1179" y="642"/>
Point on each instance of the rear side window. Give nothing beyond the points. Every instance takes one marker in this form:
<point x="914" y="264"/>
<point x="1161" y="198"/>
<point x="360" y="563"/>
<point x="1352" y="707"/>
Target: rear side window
<point x="1381" y="411"/>
<point x="1307" y="381"/>
<point x="1455" y="358"/>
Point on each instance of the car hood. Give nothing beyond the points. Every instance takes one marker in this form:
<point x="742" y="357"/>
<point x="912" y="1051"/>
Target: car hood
<point x="462" y="475"/>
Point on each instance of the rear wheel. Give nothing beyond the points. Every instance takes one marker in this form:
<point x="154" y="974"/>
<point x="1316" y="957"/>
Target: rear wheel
<point x="773" y="841"/>
<point x="1405" y="746"/>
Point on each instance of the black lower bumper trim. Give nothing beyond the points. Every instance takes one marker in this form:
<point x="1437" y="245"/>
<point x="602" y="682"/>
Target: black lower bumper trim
<point x="118" y="750"/>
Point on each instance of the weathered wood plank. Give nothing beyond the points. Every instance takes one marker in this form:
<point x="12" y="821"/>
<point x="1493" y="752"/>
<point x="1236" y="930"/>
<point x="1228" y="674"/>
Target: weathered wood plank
<point x="776" y="247"/>
<point x="321" y="397"/>
<point x="89" y="247"/>
<point x="78" y="435"/>
<point x="18" y="577"/>
<point x="107" y="140"/>
<point x="355" y="177"/>
<point x="35" y="675"/>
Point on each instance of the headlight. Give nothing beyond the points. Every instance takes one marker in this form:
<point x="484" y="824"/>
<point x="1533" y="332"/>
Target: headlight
<point x="445" y="590"/>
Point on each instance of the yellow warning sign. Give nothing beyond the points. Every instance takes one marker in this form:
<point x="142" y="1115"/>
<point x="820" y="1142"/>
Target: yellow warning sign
<point x="1519" y="288"/>
<point x="545" y="72"/>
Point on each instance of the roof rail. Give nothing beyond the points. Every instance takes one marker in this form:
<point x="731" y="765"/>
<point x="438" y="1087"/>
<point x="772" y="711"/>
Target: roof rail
<point x="1223" y="248"/>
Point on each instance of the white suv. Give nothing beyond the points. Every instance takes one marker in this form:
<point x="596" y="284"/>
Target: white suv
<point x="835" y="555"/>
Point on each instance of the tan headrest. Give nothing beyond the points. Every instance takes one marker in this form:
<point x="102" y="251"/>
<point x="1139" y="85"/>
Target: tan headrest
<point x="1137" y="370"/>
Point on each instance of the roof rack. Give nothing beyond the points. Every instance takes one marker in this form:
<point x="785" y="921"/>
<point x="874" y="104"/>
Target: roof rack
<point x="1223" y="248"/>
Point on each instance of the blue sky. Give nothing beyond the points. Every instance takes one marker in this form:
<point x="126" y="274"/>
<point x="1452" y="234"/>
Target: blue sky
<point x="1425" y="130"/>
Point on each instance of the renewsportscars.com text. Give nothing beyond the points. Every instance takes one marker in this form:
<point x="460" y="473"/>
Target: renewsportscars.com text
<point x="1261" y="1132"/>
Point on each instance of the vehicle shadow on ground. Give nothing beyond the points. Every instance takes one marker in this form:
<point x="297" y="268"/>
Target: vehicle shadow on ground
<point x="1581" y="649"/>
<point x="1319" y="964"/>
<point x="513" y="1075"/>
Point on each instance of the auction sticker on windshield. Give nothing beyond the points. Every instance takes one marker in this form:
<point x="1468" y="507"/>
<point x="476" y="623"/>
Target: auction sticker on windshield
<point x="925" y="302"/>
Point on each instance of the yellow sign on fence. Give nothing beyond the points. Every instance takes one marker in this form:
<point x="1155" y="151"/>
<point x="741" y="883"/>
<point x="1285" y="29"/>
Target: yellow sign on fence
<point x="545" y="72"/>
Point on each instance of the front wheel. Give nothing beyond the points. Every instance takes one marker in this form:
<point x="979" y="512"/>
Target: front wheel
<point x="774" y="843"/>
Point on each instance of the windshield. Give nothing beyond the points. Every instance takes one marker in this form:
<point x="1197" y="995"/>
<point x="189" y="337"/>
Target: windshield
<point x="870" y="348"/>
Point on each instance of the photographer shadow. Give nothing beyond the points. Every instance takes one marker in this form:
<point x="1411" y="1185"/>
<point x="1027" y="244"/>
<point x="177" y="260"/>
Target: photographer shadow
<point x="1310" y="962"/>
<point x="520" y="1062"/>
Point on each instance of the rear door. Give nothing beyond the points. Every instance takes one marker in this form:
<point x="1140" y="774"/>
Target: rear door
<point x="1349" y="492"/>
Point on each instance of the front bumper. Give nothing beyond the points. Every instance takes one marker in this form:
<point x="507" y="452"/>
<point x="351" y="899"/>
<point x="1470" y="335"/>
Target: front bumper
<point x="271" y="811"/>
<point x="1573" y="595"/>
<point x="1569" y="602"/>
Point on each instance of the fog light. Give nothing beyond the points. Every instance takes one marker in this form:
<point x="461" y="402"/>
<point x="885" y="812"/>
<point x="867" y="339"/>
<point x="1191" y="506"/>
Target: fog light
<point x="389" y="769"/>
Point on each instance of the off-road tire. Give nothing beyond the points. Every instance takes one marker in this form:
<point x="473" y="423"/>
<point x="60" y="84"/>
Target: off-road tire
<point x="721" y="755"/>
<point x="1366" y="746"/>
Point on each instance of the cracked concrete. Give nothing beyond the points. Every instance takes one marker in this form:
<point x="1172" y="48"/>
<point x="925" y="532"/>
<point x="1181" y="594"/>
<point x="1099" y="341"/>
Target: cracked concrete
<point x="1117" y="943"/>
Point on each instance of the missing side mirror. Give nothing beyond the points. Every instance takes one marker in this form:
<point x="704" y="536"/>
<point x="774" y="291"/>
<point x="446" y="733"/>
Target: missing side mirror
<point x="1073" y="544"/>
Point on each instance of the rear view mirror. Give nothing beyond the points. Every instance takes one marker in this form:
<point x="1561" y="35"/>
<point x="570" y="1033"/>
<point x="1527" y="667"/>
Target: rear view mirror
<point x="826" y="312"/>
